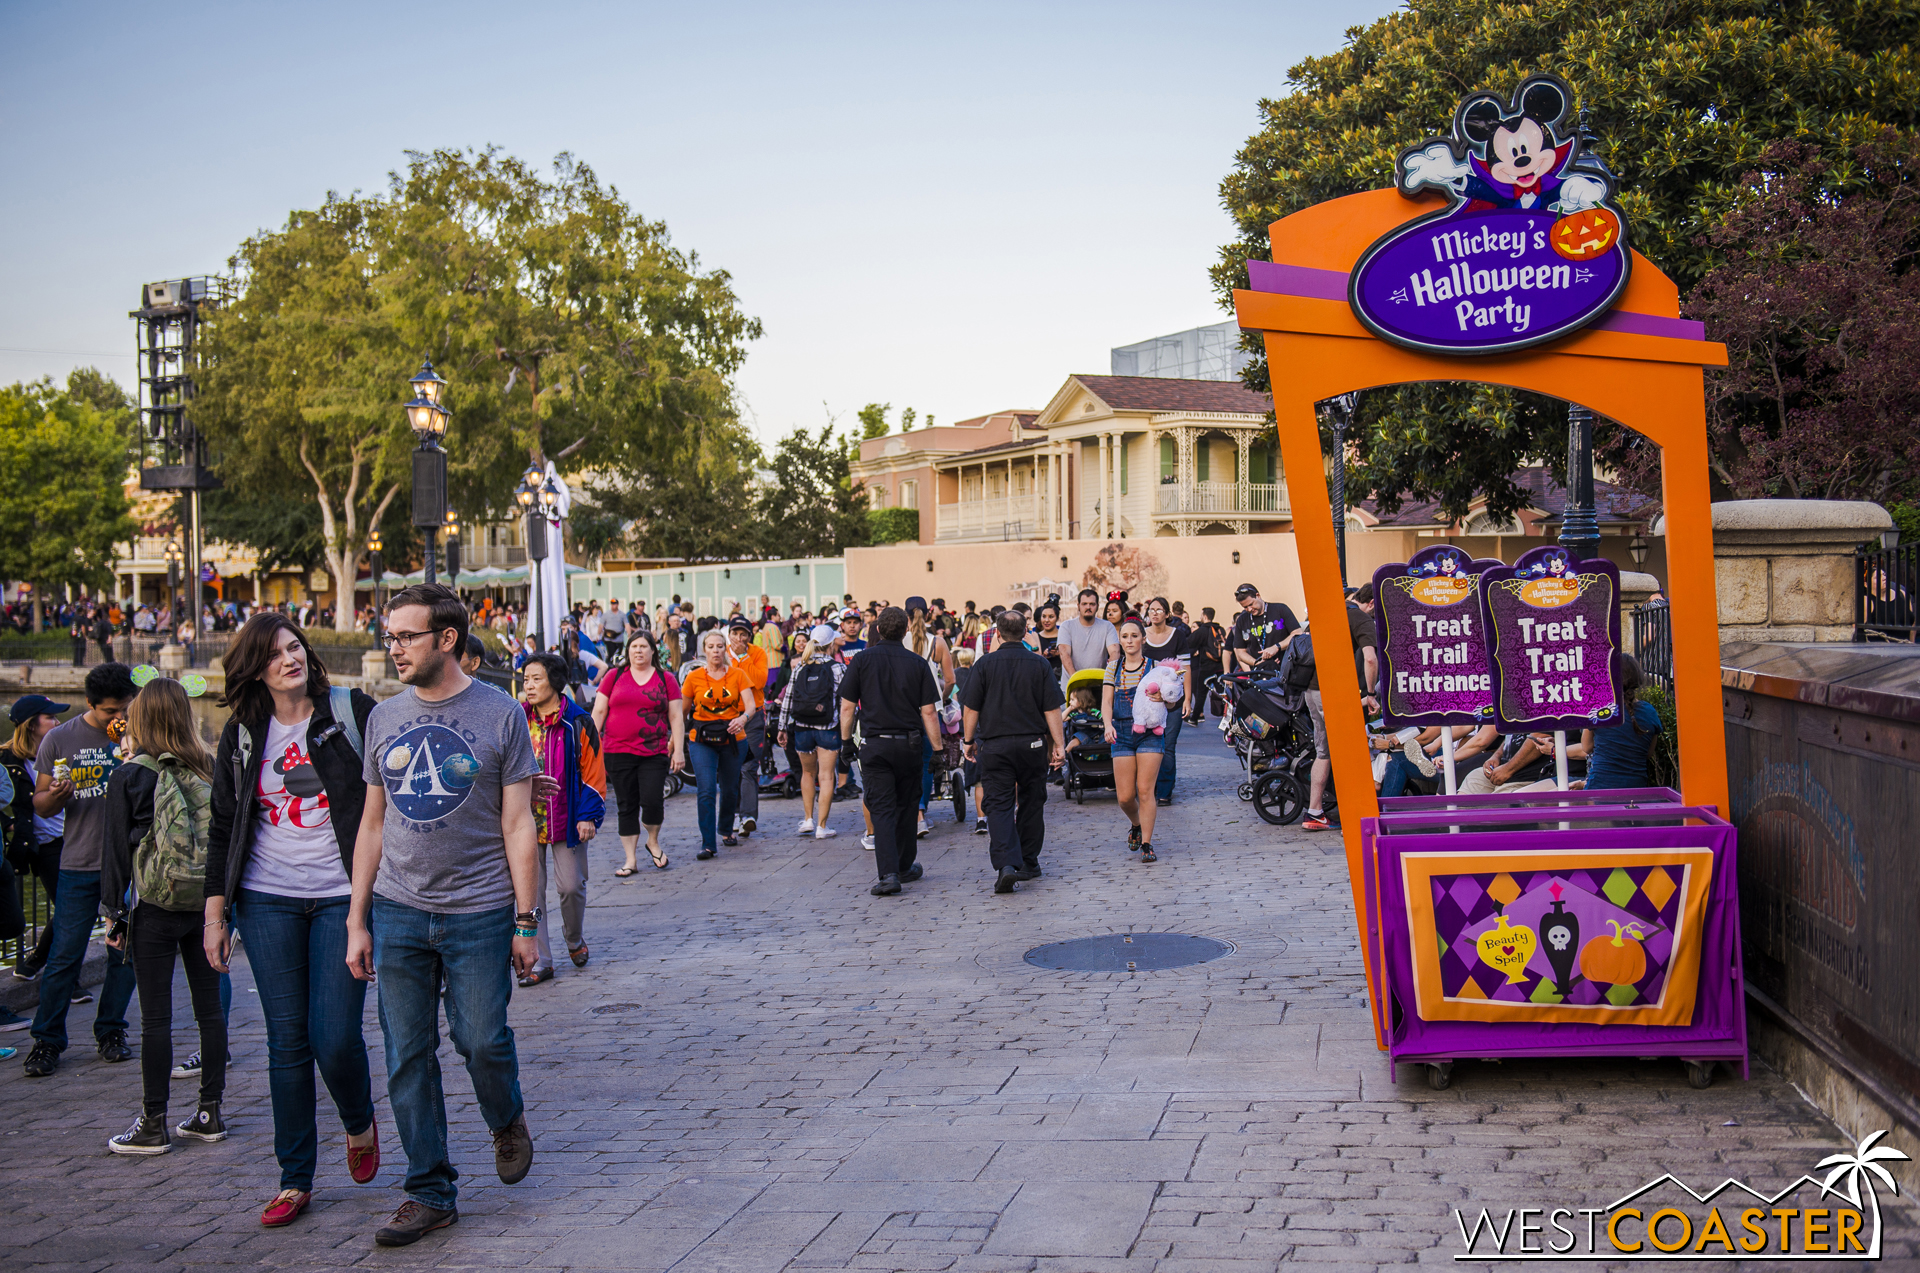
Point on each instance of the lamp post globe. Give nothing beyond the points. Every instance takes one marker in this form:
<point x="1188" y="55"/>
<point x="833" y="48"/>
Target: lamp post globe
<point x="427" y="416"/>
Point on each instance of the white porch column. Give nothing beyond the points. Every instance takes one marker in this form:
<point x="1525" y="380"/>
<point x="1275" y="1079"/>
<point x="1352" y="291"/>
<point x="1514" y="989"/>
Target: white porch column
<point x="1243" y="477"/>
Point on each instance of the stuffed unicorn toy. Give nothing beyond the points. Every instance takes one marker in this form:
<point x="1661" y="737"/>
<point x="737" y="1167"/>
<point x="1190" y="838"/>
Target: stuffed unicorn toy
<point x="1150" y="713"/>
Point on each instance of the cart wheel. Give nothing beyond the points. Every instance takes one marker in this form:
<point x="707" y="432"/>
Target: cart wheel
<point x="1700" y="1073"/>
<point x="1440" y="1075"/>
<point x="1246" y="791"/>
<point x="956" y="782"/>
<point x="1276" y="798"/>
<point x="791" y="786"/>
<point x="674" y="784"/>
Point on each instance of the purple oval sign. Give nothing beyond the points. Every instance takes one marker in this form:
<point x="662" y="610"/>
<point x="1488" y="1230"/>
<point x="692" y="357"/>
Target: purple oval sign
<point x="1531" y="249"/>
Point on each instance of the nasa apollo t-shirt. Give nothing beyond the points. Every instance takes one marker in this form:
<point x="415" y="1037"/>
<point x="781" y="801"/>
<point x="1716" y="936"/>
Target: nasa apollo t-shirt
<point x="443" y="766"/>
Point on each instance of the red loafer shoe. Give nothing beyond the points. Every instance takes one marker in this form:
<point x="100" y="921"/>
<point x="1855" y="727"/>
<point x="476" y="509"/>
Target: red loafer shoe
<point x="364" y="1164"/>
<point x="285" y="1208"/>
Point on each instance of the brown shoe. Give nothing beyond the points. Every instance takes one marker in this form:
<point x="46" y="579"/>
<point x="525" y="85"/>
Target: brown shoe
<point x="579" y="956"/>
<point x="513" y="1151"/>
<point x="413" y="1221"/>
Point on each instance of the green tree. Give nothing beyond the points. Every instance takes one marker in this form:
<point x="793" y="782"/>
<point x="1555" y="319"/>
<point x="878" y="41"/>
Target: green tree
<point x="569" y="328"/>
<point x="694" y="502"/>
<point x="893" y="525"/>
<point x="1686" y="95"/>
<point x="812" y="508"/>
<point x="103" y="393"/>
<point x="63" y="503"/>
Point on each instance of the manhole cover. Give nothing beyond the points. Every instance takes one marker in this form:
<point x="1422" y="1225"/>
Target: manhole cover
<point x="609" y="1009"/>
<point x="1128" y="952"/>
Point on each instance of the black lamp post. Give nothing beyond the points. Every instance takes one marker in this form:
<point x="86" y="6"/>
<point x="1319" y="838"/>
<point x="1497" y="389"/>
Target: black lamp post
<point x="374" y="568"/>
<point x="173" y="557"/>
<point x="1579" y="522"/>
<point x="453" y="550"/>
<point x="428" y="419"/>
<point x="527" y="495"/>
<point x="1340" y="410"/>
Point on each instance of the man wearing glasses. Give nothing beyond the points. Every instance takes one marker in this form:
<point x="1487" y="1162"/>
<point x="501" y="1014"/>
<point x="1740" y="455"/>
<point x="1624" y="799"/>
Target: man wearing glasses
<point x="445" y="868"/>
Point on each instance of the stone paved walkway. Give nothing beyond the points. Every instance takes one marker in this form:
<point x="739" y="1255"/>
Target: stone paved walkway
<point x="765" y="1069"/>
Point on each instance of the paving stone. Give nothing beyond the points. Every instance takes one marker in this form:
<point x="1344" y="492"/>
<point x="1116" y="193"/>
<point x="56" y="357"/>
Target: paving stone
<point x="815" y="1078"/>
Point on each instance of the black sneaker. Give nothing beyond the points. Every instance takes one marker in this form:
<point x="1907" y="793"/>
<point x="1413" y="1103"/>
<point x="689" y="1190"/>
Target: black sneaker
<point x="25" y="972"/>
<point x="147" y="1136"/>
<point x="43" y="1060"/>
<point x="204" y="1125"/>
<point x="912" y="873"/>
<point x="189" y="1068"/>
<point x="1008" y="877"/>
<point x="413" y="1221"/>
<point x="11" y="1020"/>
<point x="1029" y="873"/>
<point x="113" y="1047"/>
<point x="887" y="887"/>
<point x="85" y="996"/>
<point x="979" y="826"/>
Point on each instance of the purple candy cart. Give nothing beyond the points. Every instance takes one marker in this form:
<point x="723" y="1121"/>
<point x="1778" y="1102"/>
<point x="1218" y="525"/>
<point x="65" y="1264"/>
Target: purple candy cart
<point x="1552" y="923"/>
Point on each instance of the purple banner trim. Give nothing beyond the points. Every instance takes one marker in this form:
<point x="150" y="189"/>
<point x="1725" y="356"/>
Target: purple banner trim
<point x="1624" y="320"/>
<point x="1331" y="285"/>
<point x="1297" y="280"/>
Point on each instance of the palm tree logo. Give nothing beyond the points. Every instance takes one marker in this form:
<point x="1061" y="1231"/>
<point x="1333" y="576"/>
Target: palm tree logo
<point x="1863" y="1165"/>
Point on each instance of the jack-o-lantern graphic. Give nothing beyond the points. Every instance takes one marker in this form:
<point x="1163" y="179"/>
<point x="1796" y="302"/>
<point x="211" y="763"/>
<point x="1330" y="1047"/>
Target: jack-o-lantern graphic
<point x="1582" y="236"/>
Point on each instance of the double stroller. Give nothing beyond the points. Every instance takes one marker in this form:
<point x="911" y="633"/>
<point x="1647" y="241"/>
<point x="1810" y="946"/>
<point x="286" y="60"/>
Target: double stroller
<point x="1089" y="763"/>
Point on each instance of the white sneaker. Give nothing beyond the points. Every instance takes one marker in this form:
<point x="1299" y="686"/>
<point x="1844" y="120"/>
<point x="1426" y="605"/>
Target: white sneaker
<point x="824" y="833"/>
<point x="1418" y="756"/>
<point x="924" y="830"/>
<point x="747" y="826"/>
<point x="866" y="842"/>
<point x="806" y="827"/>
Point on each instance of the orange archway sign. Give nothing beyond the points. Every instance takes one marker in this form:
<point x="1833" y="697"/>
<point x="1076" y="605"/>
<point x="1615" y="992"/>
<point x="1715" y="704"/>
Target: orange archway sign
<point x="1640" y="365"/>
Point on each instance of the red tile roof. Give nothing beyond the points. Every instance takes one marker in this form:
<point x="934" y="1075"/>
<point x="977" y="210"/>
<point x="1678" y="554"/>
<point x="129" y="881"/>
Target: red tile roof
<point x="1153" y="393"/>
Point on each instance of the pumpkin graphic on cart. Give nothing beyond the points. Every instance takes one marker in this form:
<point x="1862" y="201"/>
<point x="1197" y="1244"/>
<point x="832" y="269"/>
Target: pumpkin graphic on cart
<point x="1617" y="959"/>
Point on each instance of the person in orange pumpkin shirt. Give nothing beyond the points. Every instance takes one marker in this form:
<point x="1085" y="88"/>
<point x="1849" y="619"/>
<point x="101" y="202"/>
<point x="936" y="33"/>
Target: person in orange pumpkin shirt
<point x="751" y="658"/>
<point x="721" y="699"/>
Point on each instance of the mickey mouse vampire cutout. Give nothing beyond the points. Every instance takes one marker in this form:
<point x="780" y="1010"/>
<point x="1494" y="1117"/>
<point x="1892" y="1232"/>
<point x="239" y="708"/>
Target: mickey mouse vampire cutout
<point x="1530" y="248"/>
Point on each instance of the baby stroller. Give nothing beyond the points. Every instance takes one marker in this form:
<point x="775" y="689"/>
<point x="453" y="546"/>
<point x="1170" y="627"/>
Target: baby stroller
<point x="949" y="768"/>
<point x="1088" y="766"/>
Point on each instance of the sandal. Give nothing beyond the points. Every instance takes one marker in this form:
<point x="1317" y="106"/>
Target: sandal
<point x="535" y="978"/>
<point x="660" y="860"/>
<point x="1133" y="839"/>
<point x="1147" y="854"/>
<point x="625" y="871"/>
<point x="579" y="956"/>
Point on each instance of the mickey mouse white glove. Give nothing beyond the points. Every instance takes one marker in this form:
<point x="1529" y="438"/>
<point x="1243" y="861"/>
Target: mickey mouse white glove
<point x="1434" y="166"/>
<point x="1578" y="193"/>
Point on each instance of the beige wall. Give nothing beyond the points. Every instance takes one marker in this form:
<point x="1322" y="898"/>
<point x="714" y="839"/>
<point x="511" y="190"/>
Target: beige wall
<point x="1199" y="570"/>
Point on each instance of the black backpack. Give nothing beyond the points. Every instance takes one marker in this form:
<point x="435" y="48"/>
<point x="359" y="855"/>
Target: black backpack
<point x="811" y="700"/>
<point x="1296" y="664"/>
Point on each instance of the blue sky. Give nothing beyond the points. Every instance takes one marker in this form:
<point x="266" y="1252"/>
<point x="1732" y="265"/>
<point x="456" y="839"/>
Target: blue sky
<point x="945" y="206"/>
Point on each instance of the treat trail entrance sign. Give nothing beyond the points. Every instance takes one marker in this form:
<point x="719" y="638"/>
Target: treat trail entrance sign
<point x="1470" y="951"/>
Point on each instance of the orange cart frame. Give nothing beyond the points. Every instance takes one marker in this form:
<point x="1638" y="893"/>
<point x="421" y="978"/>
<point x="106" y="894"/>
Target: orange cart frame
<point x="1317" y="349"/>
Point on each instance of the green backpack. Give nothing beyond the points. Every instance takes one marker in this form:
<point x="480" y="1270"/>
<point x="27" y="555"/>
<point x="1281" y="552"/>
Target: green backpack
<point x="170" y="865"/>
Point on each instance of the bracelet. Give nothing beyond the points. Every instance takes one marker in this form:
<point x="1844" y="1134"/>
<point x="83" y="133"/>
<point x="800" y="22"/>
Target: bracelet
<point x="525" y="932"/>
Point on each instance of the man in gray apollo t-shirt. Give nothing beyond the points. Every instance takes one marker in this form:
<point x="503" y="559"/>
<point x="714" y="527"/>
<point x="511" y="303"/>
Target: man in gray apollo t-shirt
<point x="1087" y="640"/>
<point x="445" y="869"/>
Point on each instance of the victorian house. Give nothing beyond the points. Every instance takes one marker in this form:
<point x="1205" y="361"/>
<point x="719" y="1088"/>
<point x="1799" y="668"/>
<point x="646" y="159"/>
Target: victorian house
<point x="1109" y="457"/>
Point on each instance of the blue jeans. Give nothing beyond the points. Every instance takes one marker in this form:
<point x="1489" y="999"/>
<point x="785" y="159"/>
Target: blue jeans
<point x="418" y="955"/>
<point x="297" y="947"/>
<point x="926" y="773"/>
<point x="1394" y="781"/>
<point x="1163" y="785"/>
<point x="76" y="904"/>
<point x="717" y="770"/>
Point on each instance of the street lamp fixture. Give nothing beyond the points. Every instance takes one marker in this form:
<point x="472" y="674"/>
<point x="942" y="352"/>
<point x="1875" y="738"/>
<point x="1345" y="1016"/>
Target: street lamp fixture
<point x="428" y="420"/>
<point x="453" y="549"/>
<point x="1637" y="549"/>
<point x="374" y="569"/>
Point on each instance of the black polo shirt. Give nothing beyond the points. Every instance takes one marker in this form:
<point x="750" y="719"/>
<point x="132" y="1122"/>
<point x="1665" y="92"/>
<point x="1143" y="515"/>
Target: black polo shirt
<point x="891" y="684"/>
<point x="1013" y="689"/>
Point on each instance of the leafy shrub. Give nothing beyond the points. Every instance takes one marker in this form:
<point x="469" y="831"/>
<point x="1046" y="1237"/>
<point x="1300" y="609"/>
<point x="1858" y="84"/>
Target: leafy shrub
<point x="893" y="525"/>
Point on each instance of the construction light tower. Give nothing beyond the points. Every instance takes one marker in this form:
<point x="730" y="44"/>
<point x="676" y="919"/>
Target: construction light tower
<point x="172" y="452"/>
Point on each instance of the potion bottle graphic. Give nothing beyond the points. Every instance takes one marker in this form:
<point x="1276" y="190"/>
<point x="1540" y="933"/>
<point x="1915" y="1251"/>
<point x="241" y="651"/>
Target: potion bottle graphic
<point x="1560" y="936"/>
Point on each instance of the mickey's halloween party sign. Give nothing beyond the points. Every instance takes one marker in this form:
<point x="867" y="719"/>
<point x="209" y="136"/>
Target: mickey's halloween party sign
<point x="1529" y="249"/>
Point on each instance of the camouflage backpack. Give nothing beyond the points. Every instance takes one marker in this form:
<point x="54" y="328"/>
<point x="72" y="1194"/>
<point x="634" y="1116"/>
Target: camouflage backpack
<point x="170" y="865"/>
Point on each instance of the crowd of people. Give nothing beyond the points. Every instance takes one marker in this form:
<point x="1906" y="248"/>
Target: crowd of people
<point x="411" y="841"/>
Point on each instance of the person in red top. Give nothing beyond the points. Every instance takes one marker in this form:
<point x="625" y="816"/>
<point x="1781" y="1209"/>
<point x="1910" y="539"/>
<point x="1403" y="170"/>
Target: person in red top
<point x="642" y="723"/>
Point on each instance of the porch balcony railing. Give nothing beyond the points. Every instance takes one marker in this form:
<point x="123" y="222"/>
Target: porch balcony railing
<point x="1010" y="517"/>
<point x="1223" y="497"/>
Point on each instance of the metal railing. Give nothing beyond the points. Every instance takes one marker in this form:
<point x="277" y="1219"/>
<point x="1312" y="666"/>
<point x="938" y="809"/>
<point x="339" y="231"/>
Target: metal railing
<point x="1885" y="591"/>
<point x="1653" y="642"/>
<point x="38" y="909"/>
<point x="1003" y="518"/>
<point x="1223" y="497"/>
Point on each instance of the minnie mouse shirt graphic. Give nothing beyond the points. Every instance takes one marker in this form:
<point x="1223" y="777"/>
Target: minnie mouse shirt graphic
<point x="1529" y="248"/>
<point x="295" y="852"/>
